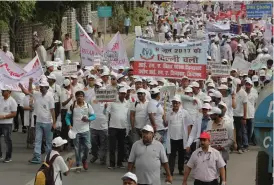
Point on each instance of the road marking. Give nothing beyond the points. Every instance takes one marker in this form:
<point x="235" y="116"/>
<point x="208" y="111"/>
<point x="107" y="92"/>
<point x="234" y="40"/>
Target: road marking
<point x="70" y="154"/>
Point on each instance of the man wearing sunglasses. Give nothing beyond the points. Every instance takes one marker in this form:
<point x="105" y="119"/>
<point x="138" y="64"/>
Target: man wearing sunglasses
<point x="206" y="163"/>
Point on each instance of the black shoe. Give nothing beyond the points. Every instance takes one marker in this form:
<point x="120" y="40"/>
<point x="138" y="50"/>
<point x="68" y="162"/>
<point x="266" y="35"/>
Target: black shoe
<point x="93" y="159"/>
<point x="7" y="160"/>
<point x="24" y="130"/>
<point x="15" y="130"/>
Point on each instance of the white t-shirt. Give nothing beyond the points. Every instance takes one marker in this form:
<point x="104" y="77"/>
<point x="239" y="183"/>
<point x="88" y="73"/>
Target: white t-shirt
<point x="118" y="114"/>
<point x="42" y="106"/>
<point x="228" y="101"/>
<point x="140" y="113"/>
<point x="156" y="108"/>
<point x="89" y="94"/>
<point x="59" y="166"/>
<point x="18" y="97"/>
<point x="101" y="119"/>
<point x="80" y="126"/>
<point x="252" y="99"/>
<point x="56" y="90"/>
<point x="65" y="94"/>
<point x="241" y="98"/>
<point x="7" y="106"/>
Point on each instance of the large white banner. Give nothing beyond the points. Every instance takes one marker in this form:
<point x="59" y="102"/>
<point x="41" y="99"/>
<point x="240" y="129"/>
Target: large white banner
<point x="241" y="65"/>
<point x="32" y="70"/>
<point x="115" y="52"/>
<point x="90" y="52"/>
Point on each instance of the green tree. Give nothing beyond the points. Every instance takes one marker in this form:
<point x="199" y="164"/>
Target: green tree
<point x="13" y="13"/>
<point x="52" y="12"/>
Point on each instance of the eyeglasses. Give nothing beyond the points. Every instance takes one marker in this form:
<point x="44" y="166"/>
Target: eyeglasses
<point x="113" y="78"/>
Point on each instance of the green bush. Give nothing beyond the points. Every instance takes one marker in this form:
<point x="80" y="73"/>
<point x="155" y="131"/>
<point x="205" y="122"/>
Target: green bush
<point x="117" y="19"/>
<point x="138" y="17"/>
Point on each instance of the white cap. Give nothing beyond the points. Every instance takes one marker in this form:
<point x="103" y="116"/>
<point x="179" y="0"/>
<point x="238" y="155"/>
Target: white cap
<point x="208" y="57"/>
<point x="56" y="41"/>
<point x="131" y="176"/>
<point x="177" y="99"/>
<point x="211" y="90"/>
<point x="120" y="76"/>
<point x="121" y="67"/>
<point x="91" y="76"/>
<point x="74" y="76"/>
<point x="223" y="87"/>
<point x="105" y="73"/>
<point x="263" y="67"/>
<point x="148" y="128"/>
<point x="195" y="84"/>
<point x="138" y="80"/>
<point x="49" y="64"/>
<point x="161" y="80"/>
<point x="233" y="70"/>
<point x="255" y="78"/>
<point x="215" y="110"/>
<point x="262" y="72"/>
<point x="153" y="82"/>
<point x="66" y="82"/>
<point x="259" y="50"/>
<point x="239" y="45"/>
<point x="72" y="134"/>
<point x="248" y="80"/>
<point x="223" y="80"/>
<point x="5" y="45"/>
<point x="98" y="83"/>
<point x="89" y="21"/>
<point x="228" y="40"/>
<point x="123" y="90"/>
<point x="155" y="90"/>
<point x="185" y="77"/>
<point x="223" y="104"/>
<point x="206" y="106"/>
<point x="207" y="99"/>
<point x="237" y="81"/>
<point x="58" y="141"/>
<point x="6" y="88"/>
<point x="216" y="39"/>
<point x="44" y="84"/>
<point x="188" y="90"/>
<point x="224" y="61"/>
<point x="210" y="84"/>
<point x="217" y="94"/>
<point x="52" y="76"/>
<point x="86" y="73"/>
<point x="141" y="90"/>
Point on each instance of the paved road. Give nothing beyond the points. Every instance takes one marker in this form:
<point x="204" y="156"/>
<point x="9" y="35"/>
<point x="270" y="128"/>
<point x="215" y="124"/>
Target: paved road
<point x="241" y="169"/>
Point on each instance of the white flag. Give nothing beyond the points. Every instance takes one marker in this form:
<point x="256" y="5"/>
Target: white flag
<point x="90" y="52"/>
<point x="115" y="52"/>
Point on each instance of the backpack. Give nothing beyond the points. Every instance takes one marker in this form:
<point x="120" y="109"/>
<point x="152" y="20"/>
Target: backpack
<point x="45" y="174"/>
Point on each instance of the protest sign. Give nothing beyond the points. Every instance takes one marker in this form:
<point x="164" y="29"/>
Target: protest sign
<point x="169" y="70"/>
<point x="258" y="10"/>
<point x="218" y="69"/>
<point x="182" y="53"/>
<point x="88" y="49"/>
<point x="115" y="52"/>
<point x="256" y="64"/>
<point x="234" y="28"/>
<point x="69" y="69"/>
<point x="138" y="31"/>
<point x="218" y="137"/>
<point x="106" y="95"/>
<point x="166" y="95"/>
<point x="247" y="28"/>
<point x="241" y="65"/>
<point x="218" y="26"/>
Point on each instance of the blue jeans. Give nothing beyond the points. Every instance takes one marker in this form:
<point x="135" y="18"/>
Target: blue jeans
<point x="6" y="130"/>
<point x="163" y="133"/>
<point x="40" y="130"/>
<point x="82" y="140"/>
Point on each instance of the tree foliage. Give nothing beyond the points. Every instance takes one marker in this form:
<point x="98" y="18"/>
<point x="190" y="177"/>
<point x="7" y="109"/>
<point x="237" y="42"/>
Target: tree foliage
<point x="13" y="13"/>
<point x="52" y="12"/>
<point x="138" y="17"/>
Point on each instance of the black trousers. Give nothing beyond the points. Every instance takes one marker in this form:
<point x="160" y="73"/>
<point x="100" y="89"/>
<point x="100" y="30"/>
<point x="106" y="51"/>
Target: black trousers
<point x="126" y="30"/>
<point x="20" y="110"/>
<point x="116" y="135"/>
<point x="198" y="182"/>
<point x="65" y="128"/>
<point x="57" y="109"/>
<point x="249" y="129"/>
<point x="239" y="135"/>
<point x="176" y="146"/>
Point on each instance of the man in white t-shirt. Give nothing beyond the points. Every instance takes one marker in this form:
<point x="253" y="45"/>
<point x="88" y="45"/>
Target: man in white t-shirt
<point x="8" y="110"/>
<point x="118" y="122"/>
<point x="240" y="116"/>
<point x="59" y="165"/>
<point x="45" y="117"/>
<point x="78" y="117"/>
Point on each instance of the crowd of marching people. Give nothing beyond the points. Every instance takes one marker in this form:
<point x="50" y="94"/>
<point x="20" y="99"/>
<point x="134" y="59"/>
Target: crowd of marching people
<point x="66" y="106"/>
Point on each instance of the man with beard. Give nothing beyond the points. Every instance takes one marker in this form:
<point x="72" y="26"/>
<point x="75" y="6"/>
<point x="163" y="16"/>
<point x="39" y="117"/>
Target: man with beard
<point x="200" y="161"/>
<point x="148" y="155"/>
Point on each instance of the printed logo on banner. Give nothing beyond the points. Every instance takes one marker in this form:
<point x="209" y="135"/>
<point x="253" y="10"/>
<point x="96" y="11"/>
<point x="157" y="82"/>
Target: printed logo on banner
<point x="111" y="55"/>
<point x="147" y="54"/>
